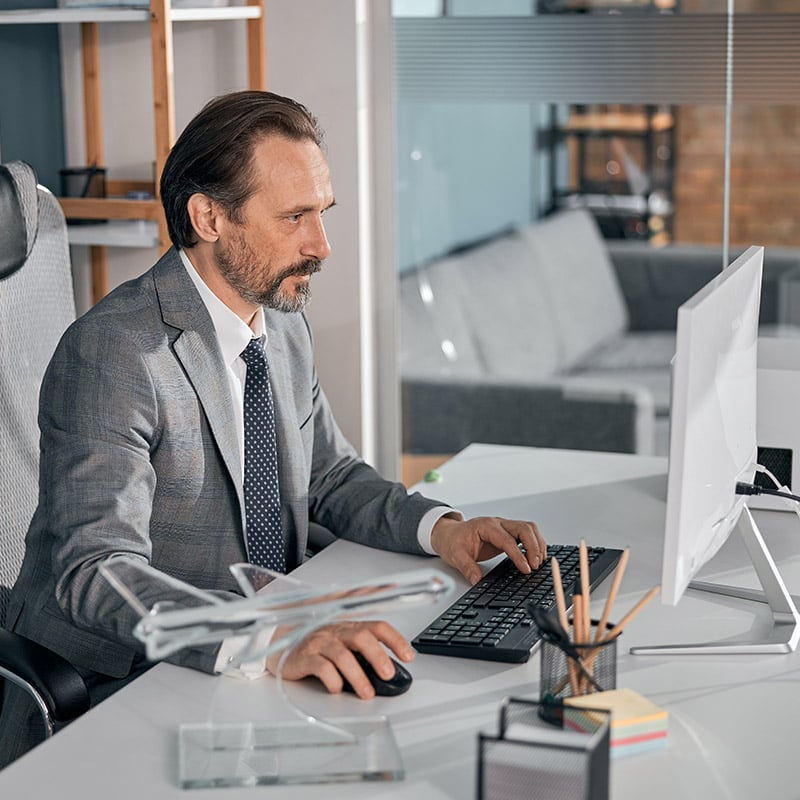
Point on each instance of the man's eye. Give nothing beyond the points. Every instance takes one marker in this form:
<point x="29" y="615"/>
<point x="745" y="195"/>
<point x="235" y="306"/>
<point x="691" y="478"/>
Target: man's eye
<point x="295" y="218"/>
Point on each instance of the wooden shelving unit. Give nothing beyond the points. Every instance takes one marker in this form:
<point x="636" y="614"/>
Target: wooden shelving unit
<point x="134" y="222"/>
<point x="620" y="159"/>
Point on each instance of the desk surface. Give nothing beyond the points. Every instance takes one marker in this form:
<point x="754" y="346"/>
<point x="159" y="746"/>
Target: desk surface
<point x="732" y="718"/>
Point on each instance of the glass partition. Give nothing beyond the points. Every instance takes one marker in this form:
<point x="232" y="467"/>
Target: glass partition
<point x="569" y="171"/>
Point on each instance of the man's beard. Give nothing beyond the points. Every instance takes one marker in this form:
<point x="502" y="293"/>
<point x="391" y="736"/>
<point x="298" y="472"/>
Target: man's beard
<point x="240" y="267"/>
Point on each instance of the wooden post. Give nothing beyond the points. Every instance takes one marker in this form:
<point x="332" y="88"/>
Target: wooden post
<point x="93" y="133"/>
<point x="257" y="49"/>
<point x="163" y="96"/>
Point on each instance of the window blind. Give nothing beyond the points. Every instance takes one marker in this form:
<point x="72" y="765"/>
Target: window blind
<point x="672" y="59"/>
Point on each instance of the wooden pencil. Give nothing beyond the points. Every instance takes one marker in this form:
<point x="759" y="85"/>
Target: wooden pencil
<point x="586" y="622"/>
<point x="612" y="593"/>
<point x="631" y="614"/>
<point x="558" y="587"/>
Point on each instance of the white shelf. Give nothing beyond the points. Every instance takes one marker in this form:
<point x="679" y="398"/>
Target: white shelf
<point x="123" y="14"/>
<point x="115" y="233"/>
<point x="214" y="13"/>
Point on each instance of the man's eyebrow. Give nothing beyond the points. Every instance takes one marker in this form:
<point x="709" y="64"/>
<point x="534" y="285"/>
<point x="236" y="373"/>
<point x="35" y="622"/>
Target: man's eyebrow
<point x="307" y="209"/>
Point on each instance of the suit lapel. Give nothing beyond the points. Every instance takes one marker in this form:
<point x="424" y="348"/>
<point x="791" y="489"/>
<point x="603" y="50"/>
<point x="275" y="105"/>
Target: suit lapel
<point x="290" y="447"/>
<point x="197" y="349"/>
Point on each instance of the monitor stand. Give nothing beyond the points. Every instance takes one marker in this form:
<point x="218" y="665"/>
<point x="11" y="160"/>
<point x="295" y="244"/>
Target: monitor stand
<point x="785" y="632"/>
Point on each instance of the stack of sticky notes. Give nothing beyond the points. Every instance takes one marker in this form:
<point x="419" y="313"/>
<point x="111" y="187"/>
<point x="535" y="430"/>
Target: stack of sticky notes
<point x="636" y="723"/>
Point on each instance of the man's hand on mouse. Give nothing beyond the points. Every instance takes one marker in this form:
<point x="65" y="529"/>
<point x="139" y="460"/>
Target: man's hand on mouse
<point x="327" y="653"/>
<point x="463" y="543"/>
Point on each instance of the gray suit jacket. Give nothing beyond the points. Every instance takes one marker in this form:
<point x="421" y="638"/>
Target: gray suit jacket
<point x="139" y="456"/>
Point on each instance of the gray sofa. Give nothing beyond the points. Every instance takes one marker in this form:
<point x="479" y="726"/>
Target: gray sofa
<point x="548" y="335"/>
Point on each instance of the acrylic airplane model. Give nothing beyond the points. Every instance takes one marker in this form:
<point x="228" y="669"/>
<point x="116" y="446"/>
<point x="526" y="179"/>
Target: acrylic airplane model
<point x="269" y="600"/>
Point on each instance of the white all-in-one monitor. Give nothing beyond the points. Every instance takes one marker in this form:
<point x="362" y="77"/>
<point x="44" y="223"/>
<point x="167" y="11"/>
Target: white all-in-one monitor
<point x="713" y="446"/>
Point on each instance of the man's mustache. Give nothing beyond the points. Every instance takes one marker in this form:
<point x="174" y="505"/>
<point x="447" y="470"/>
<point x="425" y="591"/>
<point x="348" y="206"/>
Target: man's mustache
<point x="307" y="267"/>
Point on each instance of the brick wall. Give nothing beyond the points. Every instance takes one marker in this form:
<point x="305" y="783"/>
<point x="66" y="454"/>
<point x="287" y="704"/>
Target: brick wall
<point x="765" y="175"/>
<point x="765" y="162"/>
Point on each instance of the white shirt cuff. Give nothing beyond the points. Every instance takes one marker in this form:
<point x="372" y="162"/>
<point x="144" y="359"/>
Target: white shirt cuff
<point x="429" y="520"/>
<point x="230" y="649"/>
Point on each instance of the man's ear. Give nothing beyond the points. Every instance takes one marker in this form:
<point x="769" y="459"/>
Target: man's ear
<point x="204" y="214"/>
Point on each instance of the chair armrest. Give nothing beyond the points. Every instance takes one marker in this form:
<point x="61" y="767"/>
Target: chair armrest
<point x="58" y="684"/>
<point x="444" y="416"/>
<point x="319" y="537"/>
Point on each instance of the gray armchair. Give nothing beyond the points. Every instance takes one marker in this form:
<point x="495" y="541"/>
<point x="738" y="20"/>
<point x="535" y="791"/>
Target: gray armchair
<point x="36" y="306"/>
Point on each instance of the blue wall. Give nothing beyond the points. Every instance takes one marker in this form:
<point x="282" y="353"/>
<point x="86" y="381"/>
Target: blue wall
<point x="31" y="118"/>
<point x="464" y="172"/>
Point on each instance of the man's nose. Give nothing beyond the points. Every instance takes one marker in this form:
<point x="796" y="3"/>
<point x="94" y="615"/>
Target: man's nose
<point x="316" y="244"/>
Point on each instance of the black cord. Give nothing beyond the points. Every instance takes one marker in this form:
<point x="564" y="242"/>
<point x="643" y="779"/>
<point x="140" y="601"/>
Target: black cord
<point x="752" y="488"/>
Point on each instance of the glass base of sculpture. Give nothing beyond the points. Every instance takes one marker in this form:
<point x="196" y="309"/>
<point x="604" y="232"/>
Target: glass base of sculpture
<point x="256" y="754"/>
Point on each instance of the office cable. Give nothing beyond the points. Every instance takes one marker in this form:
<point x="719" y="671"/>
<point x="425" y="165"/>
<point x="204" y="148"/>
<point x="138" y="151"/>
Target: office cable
<point x="752" y="488"/>
<point x="792" y="500"/>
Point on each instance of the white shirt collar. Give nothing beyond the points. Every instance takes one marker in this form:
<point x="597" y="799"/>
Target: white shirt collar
<point x="233" y="333"/>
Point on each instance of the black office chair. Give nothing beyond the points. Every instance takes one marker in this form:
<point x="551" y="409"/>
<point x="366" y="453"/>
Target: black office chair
<point x="36" y="306"/>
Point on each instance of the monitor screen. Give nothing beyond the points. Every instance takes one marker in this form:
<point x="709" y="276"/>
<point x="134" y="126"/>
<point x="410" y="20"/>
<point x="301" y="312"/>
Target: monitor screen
<point x="712" y="419"/>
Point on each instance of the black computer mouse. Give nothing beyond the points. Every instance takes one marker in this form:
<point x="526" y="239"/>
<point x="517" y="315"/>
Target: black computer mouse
<point x="383" y="687"/>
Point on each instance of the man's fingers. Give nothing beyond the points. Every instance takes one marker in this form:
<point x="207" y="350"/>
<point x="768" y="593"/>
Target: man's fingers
<point x="325" y="670"/>
<point x="527" y="534"/>
<point x="465" y="564"/>
<point x="502" y="536"/>
<point x="346" y="667"/>
<point x="463" y="544"/>
<point x="328" y="654"/>
<point x="393" y="639"/>
<point x="367" y="639"/>
<point x="334" y="665"/>
<point x="506" y="535"/>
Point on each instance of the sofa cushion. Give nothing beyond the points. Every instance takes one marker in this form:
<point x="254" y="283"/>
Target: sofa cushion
<point x="638" y="350"/>
<point x="643" y="358"/>
<point x="497" y="285"/>
<point x="578" y="283"/>
<point x="435" y="335"/>
<point x="656" y="381"/>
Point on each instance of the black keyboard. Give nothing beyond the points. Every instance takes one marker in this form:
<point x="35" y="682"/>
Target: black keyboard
<point x="489" y="620"/>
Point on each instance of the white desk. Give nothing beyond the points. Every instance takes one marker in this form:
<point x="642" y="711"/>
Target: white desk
<point x="732" y="718"/>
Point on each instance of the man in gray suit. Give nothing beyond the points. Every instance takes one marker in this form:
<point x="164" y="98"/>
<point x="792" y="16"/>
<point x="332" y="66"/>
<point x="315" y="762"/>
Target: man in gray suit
<point x="141" y="416"/>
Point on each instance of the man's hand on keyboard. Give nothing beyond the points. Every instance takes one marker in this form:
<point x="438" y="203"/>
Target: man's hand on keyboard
<point x="463" y="543"/>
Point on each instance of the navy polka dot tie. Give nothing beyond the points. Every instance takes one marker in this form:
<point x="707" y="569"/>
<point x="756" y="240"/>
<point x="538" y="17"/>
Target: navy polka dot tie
<point x="262" y="501"/>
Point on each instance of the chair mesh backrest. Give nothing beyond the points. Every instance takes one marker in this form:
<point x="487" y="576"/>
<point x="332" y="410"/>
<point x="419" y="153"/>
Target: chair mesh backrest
<point x="36" y="306"/>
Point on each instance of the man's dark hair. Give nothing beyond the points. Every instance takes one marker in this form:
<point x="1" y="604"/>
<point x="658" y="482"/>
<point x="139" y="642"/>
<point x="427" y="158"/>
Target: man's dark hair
<point x="213" y="155"/>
